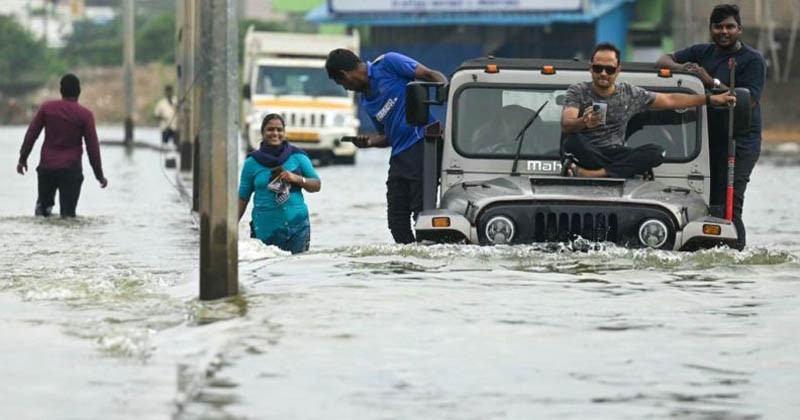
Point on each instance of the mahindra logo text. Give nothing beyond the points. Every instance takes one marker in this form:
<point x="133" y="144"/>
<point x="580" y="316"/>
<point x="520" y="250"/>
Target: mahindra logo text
<point x="544" y="166"/>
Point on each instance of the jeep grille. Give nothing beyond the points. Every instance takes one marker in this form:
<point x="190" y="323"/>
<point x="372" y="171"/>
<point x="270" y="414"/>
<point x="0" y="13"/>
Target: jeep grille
<point x="564" y="226"/>
<point x="539" y="222"/>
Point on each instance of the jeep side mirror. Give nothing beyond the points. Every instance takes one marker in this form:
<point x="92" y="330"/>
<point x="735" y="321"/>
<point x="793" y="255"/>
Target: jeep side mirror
<point x="418" y="100"/>
<point x="246" y="91"/>
<point x="742" y="113"/>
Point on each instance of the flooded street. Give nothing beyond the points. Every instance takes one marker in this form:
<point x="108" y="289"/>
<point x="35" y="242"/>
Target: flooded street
<point x="100" y="314"/>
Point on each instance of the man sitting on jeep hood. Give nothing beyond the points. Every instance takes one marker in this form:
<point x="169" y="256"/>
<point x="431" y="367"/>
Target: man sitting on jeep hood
<point x="596" y="114"/>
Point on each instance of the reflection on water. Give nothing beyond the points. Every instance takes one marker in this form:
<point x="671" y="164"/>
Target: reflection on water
<point x="361" y="328"/>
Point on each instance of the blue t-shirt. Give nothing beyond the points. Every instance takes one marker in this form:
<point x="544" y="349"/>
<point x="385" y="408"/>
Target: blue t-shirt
<point x="386" y="106"/>
<point x="750" y="73"/>
<point x="267" y="214"/>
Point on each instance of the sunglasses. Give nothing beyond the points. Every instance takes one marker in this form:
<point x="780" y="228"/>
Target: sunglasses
<point x="597" y="68"/>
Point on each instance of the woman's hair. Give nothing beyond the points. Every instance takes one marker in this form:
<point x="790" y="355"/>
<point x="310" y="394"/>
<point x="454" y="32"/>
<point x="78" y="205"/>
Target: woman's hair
<point x="270" y="117"/>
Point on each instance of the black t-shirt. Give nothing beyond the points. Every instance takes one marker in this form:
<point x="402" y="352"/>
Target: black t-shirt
<point x="750" y="73"/>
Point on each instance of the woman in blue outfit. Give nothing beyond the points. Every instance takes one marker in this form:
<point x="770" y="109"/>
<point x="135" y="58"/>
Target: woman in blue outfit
<point x="277" y="173"/>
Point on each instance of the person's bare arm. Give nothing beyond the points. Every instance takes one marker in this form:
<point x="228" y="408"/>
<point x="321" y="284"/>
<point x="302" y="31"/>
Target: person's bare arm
<point x="363" y="141"/>
<point x="428" y="75"/>
<point x="682" y="100"/>
<point x="572" y="123"/>
<point x="667" y="61"/>
<point x="309" y="184"/>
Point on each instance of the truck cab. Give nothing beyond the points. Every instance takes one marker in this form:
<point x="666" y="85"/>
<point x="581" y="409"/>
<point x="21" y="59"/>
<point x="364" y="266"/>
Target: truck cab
<point x="493" y="181"/>
<point x="284" y="73"/>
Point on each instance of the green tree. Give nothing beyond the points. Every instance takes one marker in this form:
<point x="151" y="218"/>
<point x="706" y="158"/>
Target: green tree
<point x="25" y="63"/>
<point x="94" y="44"/>
<point x="155" y="39"/>
<point x="100" y="44"/>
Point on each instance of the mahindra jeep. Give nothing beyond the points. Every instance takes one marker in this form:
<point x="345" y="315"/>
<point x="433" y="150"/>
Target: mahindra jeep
<point x="492" y="175"/>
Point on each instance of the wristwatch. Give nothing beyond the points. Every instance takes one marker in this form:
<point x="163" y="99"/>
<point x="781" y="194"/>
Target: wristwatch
<point x="717" y="83"/>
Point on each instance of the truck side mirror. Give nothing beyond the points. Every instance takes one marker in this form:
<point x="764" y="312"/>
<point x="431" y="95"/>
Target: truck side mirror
<point x="418" y="100"/>
<point x="742" y="113"/>
<point x="246" y="91"/>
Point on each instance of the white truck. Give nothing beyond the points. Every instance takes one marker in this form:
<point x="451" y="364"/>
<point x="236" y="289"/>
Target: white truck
<point x="284" y="73"/>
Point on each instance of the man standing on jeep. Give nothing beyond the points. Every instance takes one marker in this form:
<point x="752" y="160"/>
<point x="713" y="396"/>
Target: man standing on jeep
<point x="382" y="87"/>
<point x="709" y="61"/>
<point x="596" y="114"/>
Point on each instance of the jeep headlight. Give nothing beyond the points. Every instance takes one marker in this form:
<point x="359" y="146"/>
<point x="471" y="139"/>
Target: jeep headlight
<point x="653" y="233"/>
<point x="339" y="120"/>
<point x="499" y="230"/>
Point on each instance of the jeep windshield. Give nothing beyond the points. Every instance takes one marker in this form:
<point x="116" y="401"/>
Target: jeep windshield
<point x="302" y="81"/>
<point x="488" y="118"/>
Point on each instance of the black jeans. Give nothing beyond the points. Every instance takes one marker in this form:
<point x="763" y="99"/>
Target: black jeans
<point x="746" y="160"/>
<point x="168" y="135"/>
<point x="404" y="192"/>
<point x="618" y="161"/>
<point x="67" y="182"/>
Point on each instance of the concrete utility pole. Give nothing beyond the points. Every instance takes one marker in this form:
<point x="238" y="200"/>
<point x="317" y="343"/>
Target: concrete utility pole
<point x="127" y="64"/>
<point x="219" y="226"/>
<point x="186" y="34"/>
<point x="773" y="45"/>
<point x="45" y="18"/>
<point x="792" y="39"/>
<point x="196" y="97"/>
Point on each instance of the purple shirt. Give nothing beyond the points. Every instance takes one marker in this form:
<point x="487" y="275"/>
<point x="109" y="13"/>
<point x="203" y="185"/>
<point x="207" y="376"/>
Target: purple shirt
<point x="66" y="123"/>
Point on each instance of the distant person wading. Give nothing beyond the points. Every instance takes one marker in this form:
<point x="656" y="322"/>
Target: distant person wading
<point x="167" y="117"/>
<point x="276" y="174"/>
<point x="67" y="125"/>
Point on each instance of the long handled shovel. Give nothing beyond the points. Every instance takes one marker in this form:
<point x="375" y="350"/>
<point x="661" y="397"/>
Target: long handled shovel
<point x="731" y="146"/>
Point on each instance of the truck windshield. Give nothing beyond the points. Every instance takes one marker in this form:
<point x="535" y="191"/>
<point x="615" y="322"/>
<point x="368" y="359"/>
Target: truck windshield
<point x="487" y="118"/>
<point x="304" y="81"/>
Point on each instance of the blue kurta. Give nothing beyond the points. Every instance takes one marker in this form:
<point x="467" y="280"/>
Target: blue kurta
<point x="276" y="224"/>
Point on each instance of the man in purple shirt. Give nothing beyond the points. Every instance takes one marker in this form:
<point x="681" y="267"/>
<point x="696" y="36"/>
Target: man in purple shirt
<point x="66" y="124"/>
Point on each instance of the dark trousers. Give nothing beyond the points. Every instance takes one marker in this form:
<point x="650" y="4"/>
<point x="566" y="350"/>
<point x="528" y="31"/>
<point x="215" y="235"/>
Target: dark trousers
<point x="168" y="135"/>
<point x="67" y="182"/>
<point x="618" y="161"/>
<point x="745" y="162"/>
<point x="404" y="192"/>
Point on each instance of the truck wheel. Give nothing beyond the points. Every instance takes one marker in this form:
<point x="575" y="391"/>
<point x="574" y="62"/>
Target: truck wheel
<point x="345" y="160"/>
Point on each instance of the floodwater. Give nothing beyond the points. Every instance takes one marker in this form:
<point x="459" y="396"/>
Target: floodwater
<point x="100" y="317"/>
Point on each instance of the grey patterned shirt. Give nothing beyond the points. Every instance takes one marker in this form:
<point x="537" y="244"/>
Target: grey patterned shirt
<point x="627" y="101"/>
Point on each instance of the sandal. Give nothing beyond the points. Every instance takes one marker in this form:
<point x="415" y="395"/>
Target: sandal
<point x="569" y="166"/>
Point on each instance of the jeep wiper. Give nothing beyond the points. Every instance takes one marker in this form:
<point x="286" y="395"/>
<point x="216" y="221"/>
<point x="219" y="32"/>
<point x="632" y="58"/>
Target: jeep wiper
<point x="521" y="136"/>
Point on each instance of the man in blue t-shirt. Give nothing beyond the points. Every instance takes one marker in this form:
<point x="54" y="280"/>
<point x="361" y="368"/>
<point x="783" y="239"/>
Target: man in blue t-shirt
<point x="381" y="84"/>
<point x="710" y="62"/>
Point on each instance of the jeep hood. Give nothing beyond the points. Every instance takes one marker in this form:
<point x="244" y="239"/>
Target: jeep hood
<point x="466" y="197"/>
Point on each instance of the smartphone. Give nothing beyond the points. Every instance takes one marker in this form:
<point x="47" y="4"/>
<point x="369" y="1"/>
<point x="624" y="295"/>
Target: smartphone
<point x="600" y="109"/>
